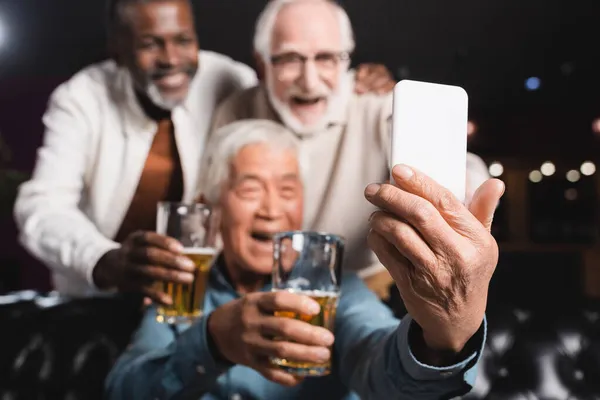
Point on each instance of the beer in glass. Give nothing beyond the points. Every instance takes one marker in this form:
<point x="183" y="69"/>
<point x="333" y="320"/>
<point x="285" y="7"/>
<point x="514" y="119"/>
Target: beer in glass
<point x="309" y="264"/>
<point x="194" y="226"/>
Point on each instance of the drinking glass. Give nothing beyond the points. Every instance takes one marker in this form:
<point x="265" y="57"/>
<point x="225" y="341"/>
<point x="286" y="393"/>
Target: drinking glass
<point x="195" y="227"/>
<point x="308" y="263"/>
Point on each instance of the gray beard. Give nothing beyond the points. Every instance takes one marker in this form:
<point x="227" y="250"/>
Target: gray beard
<point x="158" y="100"/>
<point x="336" y="102"/>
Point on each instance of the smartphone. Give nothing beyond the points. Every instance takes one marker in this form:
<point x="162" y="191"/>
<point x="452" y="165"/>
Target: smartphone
<point x="429" y="132"/>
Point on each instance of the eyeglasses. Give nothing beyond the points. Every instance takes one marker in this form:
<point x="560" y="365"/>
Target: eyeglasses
<point x="290" y="65"/>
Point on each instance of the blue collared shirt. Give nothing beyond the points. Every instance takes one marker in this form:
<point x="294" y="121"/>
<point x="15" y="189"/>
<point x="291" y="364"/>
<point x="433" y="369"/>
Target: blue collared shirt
<point x="371" y="359"/>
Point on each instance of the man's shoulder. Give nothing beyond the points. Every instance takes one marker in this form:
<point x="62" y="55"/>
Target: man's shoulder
<point x="371" y="112"/>
<point x="211" y="59"/>
<point x="241" y="104"/>
<point x="371" y="103"/>
<point x="90" y="83"/>
<point x="213" y="64"/>
<point x="242" y="98"/>
<point x="219" y="76"/>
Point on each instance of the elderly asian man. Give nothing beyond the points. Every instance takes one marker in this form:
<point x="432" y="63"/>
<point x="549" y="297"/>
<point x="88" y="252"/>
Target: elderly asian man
<point x="302" y="50"/>
<point x="440" y="254"/>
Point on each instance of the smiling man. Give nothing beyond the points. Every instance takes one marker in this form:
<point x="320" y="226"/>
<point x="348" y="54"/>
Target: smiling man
<point x="163" y="79"/>
<point x="121" y="136"/>
<point x="440" y="254"/>
<point x="303" y="50"/>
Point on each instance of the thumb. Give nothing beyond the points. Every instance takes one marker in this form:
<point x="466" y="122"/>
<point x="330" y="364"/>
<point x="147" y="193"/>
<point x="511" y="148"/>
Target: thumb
<point x="485" y="200"/>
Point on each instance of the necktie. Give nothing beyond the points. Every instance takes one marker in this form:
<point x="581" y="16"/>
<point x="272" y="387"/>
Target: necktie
<point x="161" y="180"/>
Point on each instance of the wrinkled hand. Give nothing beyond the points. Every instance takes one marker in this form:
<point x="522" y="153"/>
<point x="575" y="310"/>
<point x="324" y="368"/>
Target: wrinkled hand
<point x="441" y="254"/>
<point x="243" y="330"/>
<point x="143" y="259"/>
<point x="373" y="78"/>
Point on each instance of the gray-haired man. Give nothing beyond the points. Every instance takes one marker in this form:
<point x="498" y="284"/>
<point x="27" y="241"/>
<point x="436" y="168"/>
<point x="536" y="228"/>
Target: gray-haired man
<point x="252" y="173"/>
<point x="303" y="50"/>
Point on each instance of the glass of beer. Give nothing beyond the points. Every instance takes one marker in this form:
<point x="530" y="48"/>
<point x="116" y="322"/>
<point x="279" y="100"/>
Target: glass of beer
<point x="195" y="227"/>
<point x="308" y="263"/>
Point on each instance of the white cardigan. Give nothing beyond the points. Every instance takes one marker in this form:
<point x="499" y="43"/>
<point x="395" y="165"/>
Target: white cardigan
<point x="95" y="145"/>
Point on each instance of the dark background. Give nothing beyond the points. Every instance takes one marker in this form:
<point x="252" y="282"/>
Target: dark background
<point x="490" y="47"/>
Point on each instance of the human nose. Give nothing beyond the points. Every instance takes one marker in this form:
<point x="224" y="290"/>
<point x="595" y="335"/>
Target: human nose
<point x="271" y="207"/>
<point x="309" y="76"/>
<point x="169" y="56"/>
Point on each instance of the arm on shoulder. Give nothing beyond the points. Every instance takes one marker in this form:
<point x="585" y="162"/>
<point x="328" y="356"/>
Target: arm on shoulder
<point x="224" y="75"/>
<point x="247" y="75"/>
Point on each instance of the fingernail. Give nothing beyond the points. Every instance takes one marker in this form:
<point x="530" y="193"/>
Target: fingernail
<point x="176" y="247"/>
<point x="312" y="307"/>
<point x="322" y="354"/>
<point x="187" y="277"/>
<point x="372" y="189"/>
<point x="185" y="263"/>
<point x="403" y="172"/>
<point x="327" y="339"/>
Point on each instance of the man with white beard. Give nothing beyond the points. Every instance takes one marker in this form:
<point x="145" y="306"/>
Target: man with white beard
<point x="302" y="49"/>
<point x="122" y="135"/>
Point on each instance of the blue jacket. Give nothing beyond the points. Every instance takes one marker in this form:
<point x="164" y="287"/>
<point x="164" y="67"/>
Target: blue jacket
<point x="371" y="359"/>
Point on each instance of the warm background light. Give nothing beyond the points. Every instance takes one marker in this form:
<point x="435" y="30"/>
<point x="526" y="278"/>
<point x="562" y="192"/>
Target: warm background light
<point x="596" y="125"/>
<point x="573" y="175"/>
<point x="571" y="194"/>
<point x="588" y="168"/>
<point x="471" y="128"/>
<point x="548" y="168"/>
<point x="496" y="169"/>
<point x="535" y="176"/>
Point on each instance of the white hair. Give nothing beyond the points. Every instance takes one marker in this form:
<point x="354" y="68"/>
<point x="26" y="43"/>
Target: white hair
<point x="226" y="143"/>
<point x="265" y="24"/>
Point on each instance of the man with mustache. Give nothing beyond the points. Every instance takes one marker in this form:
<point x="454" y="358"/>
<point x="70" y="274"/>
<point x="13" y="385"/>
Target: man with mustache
<point x="303" y="49"/>
<point x="440" y="253"/>
<point x="121" y="136"/>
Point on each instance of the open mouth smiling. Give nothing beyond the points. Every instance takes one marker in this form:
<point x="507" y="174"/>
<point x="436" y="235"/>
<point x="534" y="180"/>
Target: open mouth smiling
<point x="304" y="101"/>
<point x="263" y="237"/>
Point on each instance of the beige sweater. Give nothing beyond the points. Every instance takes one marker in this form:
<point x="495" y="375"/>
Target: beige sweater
<point x="341" y="161"/>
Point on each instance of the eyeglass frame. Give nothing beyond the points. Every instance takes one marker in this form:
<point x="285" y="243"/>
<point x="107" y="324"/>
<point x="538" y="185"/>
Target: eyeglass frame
<point x="339" y="56"/>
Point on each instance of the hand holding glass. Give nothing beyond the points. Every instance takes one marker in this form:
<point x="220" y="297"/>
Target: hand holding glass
<point x="308" y="263"/>
<point x="195" y="227"/>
